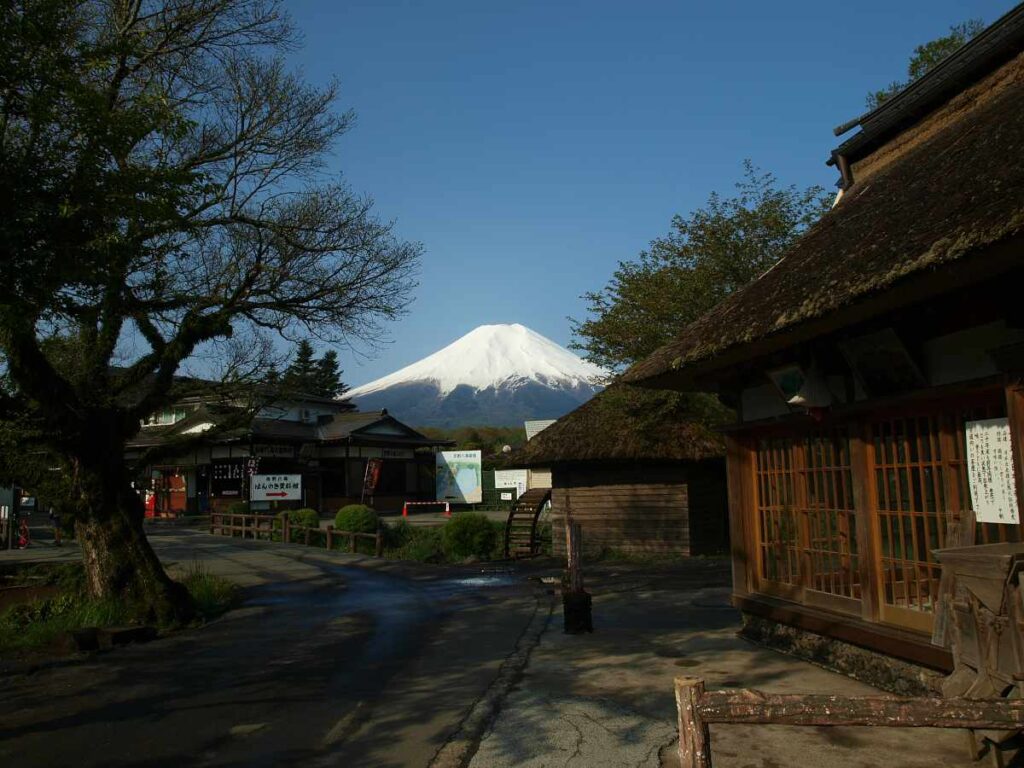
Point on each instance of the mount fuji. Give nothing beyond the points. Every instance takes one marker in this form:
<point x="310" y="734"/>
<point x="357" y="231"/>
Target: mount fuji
<point x="495" y="375"/>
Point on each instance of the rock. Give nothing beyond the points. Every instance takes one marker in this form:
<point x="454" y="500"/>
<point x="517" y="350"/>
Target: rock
<point x="84" y="639"/>
<point x="115" y="636"/>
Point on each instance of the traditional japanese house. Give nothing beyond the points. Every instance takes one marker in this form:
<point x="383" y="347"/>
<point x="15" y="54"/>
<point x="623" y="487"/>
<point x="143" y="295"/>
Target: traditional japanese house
<point x="876" y="369"/>
<point x="320" y="439"/>
<point x="638" y="471"/>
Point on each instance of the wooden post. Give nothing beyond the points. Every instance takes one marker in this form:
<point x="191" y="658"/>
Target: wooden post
<point x="330" y="537"/>
<point x="574" y="555"/>
<point x="286" y="531"/>
<point x="694" y="736"/>
<point x="577" y="616"/>
<point x="378" y="549"/>
<point x="308" y="532"/>
<point x="352" y="543"/>
<point x="213" y="518"/>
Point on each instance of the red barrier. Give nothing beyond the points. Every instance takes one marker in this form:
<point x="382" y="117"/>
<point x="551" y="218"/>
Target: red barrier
<point x="406" y="505"/>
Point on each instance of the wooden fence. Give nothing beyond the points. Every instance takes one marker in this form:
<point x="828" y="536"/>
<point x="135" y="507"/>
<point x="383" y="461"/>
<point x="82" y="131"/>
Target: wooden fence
<point x="697" y="708"/>
<point x="263" y="527"/>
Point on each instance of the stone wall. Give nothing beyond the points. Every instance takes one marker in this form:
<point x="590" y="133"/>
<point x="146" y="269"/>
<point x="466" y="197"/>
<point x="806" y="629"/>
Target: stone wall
<point x="885" y="672"/>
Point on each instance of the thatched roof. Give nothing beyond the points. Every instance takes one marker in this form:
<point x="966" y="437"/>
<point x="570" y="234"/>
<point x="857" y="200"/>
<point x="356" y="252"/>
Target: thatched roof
<point x="942" y="203"/>
<point x="625" y="423"/>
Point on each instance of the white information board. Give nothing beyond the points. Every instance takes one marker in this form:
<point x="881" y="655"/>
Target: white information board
<point x="990" y="471"/>
<point x="511" y="478"/>
<point x="459" y="477"/>
<point x="276" y="488"/>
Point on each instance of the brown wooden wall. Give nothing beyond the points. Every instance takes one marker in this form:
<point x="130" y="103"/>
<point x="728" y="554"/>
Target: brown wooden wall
<point x="642" y="509"/>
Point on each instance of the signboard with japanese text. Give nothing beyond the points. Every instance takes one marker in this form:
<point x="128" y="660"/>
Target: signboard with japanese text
<point x="990" y="471"/>
<point x="226" y="479"/>
<point x="511" y="478"/>
<point x="459" y="477"/>
<point x="276" y="488"/>
<point x="274" y="451"/>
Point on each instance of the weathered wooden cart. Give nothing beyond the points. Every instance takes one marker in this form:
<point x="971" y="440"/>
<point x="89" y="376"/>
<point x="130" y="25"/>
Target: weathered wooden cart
<point x="981" y="620"/>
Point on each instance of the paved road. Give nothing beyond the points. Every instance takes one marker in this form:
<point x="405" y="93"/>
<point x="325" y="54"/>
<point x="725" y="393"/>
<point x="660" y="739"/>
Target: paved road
<point x="325" y="664"/>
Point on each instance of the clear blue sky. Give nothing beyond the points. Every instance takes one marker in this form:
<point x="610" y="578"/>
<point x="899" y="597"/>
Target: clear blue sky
<point x="532" y="145"/>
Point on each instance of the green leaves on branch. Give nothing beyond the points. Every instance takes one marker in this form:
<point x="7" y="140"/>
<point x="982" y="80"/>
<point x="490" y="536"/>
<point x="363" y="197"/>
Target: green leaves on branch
<point x="926" y="56"/>
<point x="706" y="255"/>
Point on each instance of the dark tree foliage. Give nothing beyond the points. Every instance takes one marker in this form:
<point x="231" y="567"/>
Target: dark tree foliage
<point x="926" y="56"/>
<point x="164" y="199"/>
<point x="306" y="374"/>
<point x="705" y="256"/>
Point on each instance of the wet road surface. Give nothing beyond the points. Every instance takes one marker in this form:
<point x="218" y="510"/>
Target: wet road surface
<point x="332" y="665"/>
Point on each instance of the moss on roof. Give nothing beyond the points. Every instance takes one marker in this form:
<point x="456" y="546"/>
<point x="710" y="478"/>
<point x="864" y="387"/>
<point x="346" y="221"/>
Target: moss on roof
<point x="945" y="200"/>
<point x="628" y="423"/>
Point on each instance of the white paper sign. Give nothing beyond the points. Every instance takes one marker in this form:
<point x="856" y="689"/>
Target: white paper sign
<point x="276" y="488"/>
<point x="990" y="471"/>
<point x="511" y="478"/>
<point x="506" y="496"/>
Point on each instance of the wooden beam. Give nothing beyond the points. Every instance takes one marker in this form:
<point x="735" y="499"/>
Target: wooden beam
<point x="753" y="707"/>
<point x="697" y="708"/>
<point x="694" y="736"/>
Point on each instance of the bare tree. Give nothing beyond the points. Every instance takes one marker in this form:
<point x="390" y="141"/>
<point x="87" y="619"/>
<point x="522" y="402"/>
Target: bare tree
<point x="164" y="191"/>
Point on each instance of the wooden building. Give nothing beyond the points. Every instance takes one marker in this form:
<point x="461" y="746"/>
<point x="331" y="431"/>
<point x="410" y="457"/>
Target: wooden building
<point x="862" y="362"/>
<point x="320" y="439"/>
<point x="638" y="472"/>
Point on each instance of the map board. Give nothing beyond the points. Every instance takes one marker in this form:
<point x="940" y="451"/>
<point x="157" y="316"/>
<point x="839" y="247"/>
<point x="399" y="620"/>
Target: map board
<point x="459" y="477"/>
<point x="511" y="478"/>
<point x="990" y="471"/>
<point x="276" y="488"/>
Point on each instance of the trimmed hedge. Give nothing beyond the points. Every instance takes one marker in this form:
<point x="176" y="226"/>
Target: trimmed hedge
<point x="469" y="534"/>
<point x="238" y="508"/>
<point x="357" y="518"/>
<point x="299" y="518"/>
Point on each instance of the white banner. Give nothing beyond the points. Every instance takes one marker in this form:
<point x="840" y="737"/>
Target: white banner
<point x="990" y="471"/>
<point x="276" y="488"/>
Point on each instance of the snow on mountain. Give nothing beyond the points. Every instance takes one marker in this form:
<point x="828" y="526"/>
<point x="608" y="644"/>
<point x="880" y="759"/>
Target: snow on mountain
<point x="495" y="374"/>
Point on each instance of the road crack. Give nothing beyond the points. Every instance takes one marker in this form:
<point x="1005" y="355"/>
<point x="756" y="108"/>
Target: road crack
<point x="460" y="747"/>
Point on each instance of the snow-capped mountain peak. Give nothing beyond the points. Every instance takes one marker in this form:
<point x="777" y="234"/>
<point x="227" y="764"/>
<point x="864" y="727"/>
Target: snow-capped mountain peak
<point x="495" y="374"/>
<point x="493" y="356"/>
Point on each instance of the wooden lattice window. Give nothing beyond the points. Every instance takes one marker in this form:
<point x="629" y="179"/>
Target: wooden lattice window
<point x="805" y="514"/>
<point x="776" y="511"/>
<point x="832" y="533"/>
<point x="921" y="495"/>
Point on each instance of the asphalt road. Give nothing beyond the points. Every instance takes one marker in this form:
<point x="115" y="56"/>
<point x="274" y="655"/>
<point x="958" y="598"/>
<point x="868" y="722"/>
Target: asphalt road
<point x="324" y="664"/>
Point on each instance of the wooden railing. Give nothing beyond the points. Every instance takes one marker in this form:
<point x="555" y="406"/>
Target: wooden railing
<point x="697" y="708"/>
<point x="246" y="526"/>
<point x="263" y="527"/>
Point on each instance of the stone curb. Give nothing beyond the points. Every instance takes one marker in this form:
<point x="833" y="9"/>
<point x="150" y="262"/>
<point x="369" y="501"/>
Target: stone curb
<point x="460" y="747"/>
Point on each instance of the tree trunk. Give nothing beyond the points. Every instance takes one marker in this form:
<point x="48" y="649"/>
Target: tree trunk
<point x="119" y="562"/>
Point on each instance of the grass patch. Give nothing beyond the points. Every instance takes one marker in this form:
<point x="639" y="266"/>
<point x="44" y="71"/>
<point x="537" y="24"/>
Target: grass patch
<point x="212" y="595"/>
<point x="42" y="624"/>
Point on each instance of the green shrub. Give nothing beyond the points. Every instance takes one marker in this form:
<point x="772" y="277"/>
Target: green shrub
<point x="422" y="544"/>
<point x="301" y="518"/>
<point x="238" y="508"/>
<point x="356" y="518"/>
<point x="469" y="534"/>
<point x="397" y="535"/>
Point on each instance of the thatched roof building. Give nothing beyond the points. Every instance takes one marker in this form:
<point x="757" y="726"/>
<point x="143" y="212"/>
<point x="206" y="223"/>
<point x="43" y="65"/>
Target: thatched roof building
<point x="641" y="471"/>
<point x="878" y="374"/>
<point x="625" y="423"/>
<point x="914" y="216"/>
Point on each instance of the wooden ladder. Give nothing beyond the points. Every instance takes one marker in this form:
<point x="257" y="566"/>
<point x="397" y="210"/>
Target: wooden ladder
<point x="521" y="526"/>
